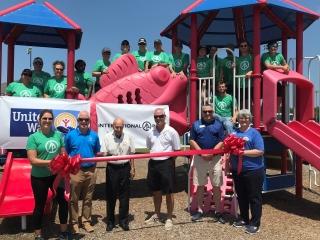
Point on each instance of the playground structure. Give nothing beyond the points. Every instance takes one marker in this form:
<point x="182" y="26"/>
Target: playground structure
<point x="124" y="84"/>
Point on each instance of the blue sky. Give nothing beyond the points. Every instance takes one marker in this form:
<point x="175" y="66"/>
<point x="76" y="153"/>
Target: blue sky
<point x="107" y="23"/>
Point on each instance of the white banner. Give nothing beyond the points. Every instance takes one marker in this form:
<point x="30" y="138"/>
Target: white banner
<point x="138" y="119"/>
<point x="19" y="117"/>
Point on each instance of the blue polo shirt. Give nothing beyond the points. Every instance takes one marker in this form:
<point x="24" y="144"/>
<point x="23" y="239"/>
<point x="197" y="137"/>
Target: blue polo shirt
<point x="87" y="145"/>
<point x="253" y="141"/>
<point x="207" y="134"/>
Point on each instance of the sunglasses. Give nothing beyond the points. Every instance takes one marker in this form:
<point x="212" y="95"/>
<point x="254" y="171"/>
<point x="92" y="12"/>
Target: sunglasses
<point x="47" y="119"/>
<point x="38" y="63"/>
<point x="244" y="45"/>
<point x="59" y="69"/>
<point x="142" y="44"/>
<point x="207" y="111"/>
<point x="83" y="119"/>
<point x="159" y="116"/>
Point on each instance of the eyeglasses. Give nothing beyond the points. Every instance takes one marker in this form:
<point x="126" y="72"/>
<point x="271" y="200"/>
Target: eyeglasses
<point x="38" y="63"/>
<point x="143" y="44"/>
<point x="83" y="119"/>
<point x="108" y="53"/>
<point x="159" y="116"/>
<point x="59" y="69"/>
<point x="47" y="119"/>
<point x="207" y="111"/>
<point x="244" y="45"/>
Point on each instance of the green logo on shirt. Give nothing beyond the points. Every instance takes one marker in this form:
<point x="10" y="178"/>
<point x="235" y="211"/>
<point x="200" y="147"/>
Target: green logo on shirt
<point x="229" y="64"/>
<point x="244" y="65"/>
<point x="178" y="63"/>
<point x="201" y="66"/>
<point x="59" y="88"/>
<point x="25" y="93"/>
<point x="51" y="146"/>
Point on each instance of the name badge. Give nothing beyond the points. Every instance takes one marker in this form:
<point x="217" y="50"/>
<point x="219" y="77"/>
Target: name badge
<point x="202" y="126"/>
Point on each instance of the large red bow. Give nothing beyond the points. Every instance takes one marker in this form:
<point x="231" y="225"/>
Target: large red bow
<point x="63" y="166"/>
<point x="235" y="146"/>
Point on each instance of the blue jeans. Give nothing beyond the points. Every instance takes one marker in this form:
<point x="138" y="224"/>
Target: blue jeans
<point x="226" y="121"/>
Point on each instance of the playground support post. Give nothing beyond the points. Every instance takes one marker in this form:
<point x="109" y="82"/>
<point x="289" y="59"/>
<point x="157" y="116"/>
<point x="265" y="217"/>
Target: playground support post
<point x="256" y="66"/>
<point x="70" y="64"/>
<point x="299" y="69"/>
<point x="10" y="62"/>
<point x="193" y="70"/>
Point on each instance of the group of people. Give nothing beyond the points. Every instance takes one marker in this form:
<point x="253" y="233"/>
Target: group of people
<point x="47" y="143"/>
<point x="206" y="133"/>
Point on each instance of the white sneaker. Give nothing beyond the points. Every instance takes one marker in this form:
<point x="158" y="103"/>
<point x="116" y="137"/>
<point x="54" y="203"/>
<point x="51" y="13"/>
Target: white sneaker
<point x="153" y="219"/>
<point x="169" y="224"/>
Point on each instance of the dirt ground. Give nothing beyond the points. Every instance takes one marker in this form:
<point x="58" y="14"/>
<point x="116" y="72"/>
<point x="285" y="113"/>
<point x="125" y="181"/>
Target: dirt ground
<point x="284" y="216"/>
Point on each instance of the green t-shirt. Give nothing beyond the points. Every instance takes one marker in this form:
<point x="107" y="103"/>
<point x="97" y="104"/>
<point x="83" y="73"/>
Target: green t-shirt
<point x="227" y="69"/>
<point x="204" y="66"/>
<point x="159" y="57"/>
<point x="56" y="88"/>
<point x="277" y="59"/>
<point x="100" y="66"/>
<point x="47" y="148"/>
<point x="180" y="61"/>
<point x="83" y="81"/>
<point x="18" y="89"/>
<point x="141" y="58"/>
<point x="40" y="79"/>
<point x="116" y="56"/>
<point x="243" y="65"/>
<point x="224" y="105"/>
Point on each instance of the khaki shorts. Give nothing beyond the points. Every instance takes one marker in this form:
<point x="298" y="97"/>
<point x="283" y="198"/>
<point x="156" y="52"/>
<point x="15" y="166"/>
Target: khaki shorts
<point x="203" y="169"/>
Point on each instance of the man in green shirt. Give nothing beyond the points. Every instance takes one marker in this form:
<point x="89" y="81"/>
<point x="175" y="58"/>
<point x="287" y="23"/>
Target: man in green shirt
<point x="142" y="54"/>
<point x="180" y="59"/>
<point x="56" y="86"/>
<point x="227" y="66"/>
<point x="101" y="67"/>
<point x="274" y="60"/>
<point x="223" y="103"/>
<point x="159" y="56"/>
<point x="125" y="48"/>
<point x="24" y="87"/>
<point x="39" y="77"/>
<point x="204" y="64"/>
<point x="218" y="60"/>
<point x="83" y="80"/>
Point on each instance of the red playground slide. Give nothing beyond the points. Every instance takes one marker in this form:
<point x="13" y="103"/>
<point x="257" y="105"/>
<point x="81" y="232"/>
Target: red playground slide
<point x="303" y="135"/>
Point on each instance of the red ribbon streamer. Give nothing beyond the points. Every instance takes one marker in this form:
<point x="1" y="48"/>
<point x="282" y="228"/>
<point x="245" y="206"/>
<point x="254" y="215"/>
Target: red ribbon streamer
<point x="63" y="166"/>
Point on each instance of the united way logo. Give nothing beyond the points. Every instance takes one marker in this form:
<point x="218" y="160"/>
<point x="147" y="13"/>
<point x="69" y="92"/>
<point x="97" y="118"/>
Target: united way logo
<point x="59" y="87"/>
<point x="222" y="105"/>
<point x="51" y="146"/>
<point x="66" y="120"/>
<point x="37" y="81"/>
<point x="142" y="58"/>
<point x="25" y="93"/>
<point x="244" y="65"/>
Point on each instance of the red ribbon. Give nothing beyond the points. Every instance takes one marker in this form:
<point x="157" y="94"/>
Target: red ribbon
<point x="63" y="166"/>
<point x="235" y="146"/>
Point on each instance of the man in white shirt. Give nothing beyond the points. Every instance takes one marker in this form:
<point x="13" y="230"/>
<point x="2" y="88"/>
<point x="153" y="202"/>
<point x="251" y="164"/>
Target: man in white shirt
<point x="162" y="138"/>
<point x="118" y="173"/>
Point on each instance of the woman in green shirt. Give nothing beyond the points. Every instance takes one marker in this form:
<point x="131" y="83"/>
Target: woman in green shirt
<point x="42" y="147"/>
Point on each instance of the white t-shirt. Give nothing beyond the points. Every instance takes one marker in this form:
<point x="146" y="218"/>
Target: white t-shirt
<point x="117" y="146"/>
<point x="165" y="141"/>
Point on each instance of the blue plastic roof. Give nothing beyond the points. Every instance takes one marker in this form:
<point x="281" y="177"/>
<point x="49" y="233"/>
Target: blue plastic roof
<point x="41" y="26"/>
<point x="221" y="30"/>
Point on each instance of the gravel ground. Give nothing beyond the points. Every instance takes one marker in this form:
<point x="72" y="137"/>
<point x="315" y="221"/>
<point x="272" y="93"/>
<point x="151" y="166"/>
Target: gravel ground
<point x="284" y="216"/>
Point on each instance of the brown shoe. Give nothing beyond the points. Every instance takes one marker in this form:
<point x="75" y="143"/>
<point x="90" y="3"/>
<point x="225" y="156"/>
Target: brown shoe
<point x="75" y="229"/>
<point x="87" y="226"/>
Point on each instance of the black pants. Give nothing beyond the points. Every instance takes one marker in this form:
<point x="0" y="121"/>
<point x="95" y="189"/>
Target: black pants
<point x="118" y="185"/>
<point x="248" y="187"/>
<point x="40" y="187"/>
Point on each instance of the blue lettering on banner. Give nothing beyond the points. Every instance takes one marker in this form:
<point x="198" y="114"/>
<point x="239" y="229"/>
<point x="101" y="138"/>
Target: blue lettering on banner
<point x="23" y="122"/>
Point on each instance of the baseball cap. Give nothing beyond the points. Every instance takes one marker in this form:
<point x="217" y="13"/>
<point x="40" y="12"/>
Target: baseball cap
<point x="142" y="40"/>
<point x="125" y="42"/>
<point x="106" y="49"/>
<point x="38" y="60"/>
<point x="157" y="41"/>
